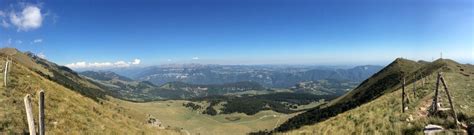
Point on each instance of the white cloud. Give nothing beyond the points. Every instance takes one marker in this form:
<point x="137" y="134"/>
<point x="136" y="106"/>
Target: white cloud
<point x="30" y="18"/>
<point x="121" y="64"/>
<point x="195" y="58"/>
<point x="2" y="14"/>
<point x="84" y="64"/>
<point x="136" y="61"/>
<point x="81" y="64"/>
<point x="169" y="60"/>
<point x="39" y="40"/>
<point x="104" y="64"/>
<point x="19" y="42"/>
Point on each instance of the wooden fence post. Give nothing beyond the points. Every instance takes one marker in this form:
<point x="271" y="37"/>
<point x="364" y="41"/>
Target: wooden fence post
<point x="414" y="88"/>
<point x="435" y="99"/>
<point x="423" y="81"/>
<point x="29" y="115"/>
<point x="41" y="112"/>
<point x="403" y="96"/>
<point x="450" y="101"/>
<point x="5" y="73"/>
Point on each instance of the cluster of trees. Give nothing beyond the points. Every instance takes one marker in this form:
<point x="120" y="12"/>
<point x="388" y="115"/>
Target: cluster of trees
<point x="216" y="89"/>
<point x="210" y="109"/>
<point x="252" y="104"/>
<point x="279" y="102"/>
<point x="192" y="105"/>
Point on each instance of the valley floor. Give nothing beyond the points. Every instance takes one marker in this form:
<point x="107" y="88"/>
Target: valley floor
<point x="172" y="113"/>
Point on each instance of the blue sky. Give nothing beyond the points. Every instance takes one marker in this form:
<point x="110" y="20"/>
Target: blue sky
<point x="152" y="32"/>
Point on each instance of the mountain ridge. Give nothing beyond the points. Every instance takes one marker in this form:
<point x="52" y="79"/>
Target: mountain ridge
<point x="268" y="76"/>
<point x="385" y="81"/>
<point x="128" y="89"/>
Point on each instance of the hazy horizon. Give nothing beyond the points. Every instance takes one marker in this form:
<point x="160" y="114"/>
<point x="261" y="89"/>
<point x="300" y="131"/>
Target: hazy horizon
<point x="146" y="33"/>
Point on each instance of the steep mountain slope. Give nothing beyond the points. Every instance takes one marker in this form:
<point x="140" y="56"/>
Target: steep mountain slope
<point x="384" y="82"/>
<point x="383" y="115"/>
<point x="73" y="105"/>
<point x="59" y="74"/>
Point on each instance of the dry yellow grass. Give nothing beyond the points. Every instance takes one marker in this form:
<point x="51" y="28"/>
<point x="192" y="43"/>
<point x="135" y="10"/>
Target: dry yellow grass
<point x="173" y="113"/>
<point x="67" y="112"/>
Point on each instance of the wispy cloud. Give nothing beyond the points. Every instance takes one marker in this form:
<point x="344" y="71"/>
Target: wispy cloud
<point x="117" y="64"/>
<point x="39" y="40"/>
<point x="9" y="41"/>
<point x="4" y="24"/>
<point x="195" y="58"/>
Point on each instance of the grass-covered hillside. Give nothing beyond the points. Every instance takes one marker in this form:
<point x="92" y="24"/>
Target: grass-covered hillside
<point x="375" y="106"/>
<point x="173" y="113"/>
<point x="70" y="108"/>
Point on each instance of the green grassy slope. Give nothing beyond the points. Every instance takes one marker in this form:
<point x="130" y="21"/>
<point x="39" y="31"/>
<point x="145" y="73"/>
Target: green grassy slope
<point x="383" y="115"/>
<point x="67" y="110"/>
<point x="384" y="83"/>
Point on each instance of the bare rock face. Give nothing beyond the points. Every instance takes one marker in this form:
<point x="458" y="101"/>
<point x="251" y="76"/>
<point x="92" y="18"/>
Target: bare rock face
<point x="154" y="122"/>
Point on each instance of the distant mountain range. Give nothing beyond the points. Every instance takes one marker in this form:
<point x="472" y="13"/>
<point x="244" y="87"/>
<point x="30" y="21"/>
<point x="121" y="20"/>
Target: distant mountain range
<point x="196" y="80"/>
<point x="129" y="89"/>
<point x="266" y="75"/>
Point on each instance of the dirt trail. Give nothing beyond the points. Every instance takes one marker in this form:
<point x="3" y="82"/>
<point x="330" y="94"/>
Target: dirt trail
<point x="422" y="109"/>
